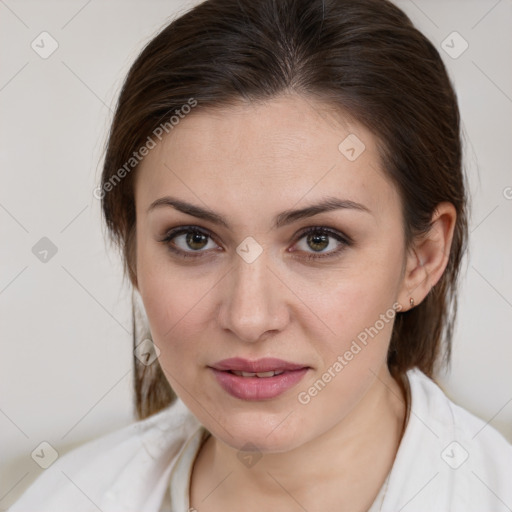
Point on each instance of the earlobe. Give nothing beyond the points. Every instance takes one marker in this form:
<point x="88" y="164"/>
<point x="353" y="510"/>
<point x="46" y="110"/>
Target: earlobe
<point x="428" y="257"/>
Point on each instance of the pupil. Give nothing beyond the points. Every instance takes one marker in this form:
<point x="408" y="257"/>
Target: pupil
<point x="196" y="238"/>
<point x="318" y="240"/>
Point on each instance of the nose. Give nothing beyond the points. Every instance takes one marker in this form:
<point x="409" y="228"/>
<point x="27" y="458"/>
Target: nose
<point x="254" y="303"/>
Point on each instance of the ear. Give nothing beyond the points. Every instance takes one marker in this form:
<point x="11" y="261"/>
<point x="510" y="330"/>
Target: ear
<point x="428" y="256"/>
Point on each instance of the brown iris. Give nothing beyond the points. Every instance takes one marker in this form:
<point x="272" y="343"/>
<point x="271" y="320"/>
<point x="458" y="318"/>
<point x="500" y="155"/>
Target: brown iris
<point x="321" y="241"/>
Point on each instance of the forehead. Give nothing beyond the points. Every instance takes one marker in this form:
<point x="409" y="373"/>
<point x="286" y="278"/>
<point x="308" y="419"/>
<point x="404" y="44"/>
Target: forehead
<point x="280" y="151"/>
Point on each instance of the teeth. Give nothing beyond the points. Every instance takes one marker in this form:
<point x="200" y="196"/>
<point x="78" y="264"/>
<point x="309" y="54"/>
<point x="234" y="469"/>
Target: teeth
<point x="259" y="374"/>
<point x="266" y="374"/>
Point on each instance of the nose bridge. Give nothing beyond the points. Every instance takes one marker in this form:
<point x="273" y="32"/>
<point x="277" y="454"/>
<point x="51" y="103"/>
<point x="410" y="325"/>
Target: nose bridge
<point x="252" y="305"/>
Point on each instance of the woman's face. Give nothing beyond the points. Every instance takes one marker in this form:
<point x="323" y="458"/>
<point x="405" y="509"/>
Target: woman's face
<point x="255" y="284"/>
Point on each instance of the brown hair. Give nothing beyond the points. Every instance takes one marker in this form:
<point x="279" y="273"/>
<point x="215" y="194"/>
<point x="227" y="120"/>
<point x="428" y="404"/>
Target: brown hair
<point x="366" y="59"/>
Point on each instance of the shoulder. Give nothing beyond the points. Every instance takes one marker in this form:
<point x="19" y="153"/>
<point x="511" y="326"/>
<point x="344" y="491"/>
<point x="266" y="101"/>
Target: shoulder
<point x="476" y="436"/>
<point x="124" y="470"/>
<point x="449" y="459"/>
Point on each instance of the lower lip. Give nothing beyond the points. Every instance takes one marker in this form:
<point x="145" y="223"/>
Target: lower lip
<point x="258" y="388"/>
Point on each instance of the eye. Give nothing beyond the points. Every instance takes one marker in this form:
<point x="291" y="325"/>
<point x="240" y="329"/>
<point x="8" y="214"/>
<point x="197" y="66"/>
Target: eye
<point x="187" y="240"/>
<point x="318" y="242"/>
<point x="322" y="241"/>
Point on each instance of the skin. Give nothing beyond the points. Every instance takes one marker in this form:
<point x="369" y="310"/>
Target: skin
<point x="249" y="163"/>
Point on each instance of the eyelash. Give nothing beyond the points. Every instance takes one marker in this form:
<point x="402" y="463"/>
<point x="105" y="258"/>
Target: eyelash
<point x="345" y="241"/>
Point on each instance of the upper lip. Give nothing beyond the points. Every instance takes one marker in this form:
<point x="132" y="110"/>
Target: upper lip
<point x="266" y="364"/>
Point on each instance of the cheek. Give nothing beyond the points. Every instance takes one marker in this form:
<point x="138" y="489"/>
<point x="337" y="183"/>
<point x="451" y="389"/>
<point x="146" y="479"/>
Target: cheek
<point x="176" y="301"/>
<point x="359" y="307"/>
<point x="360" y="312"/>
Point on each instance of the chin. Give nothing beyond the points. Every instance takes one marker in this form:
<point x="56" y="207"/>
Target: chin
<point x="255" y="435"/>
<point x="259" y="443"/>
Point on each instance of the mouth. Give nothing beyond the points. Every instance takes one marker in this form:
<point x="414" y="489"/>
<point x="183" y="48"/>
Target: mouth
<point x="262" y="379"/>
<point x="259" y="367"/>
<point x="261" y="375"/>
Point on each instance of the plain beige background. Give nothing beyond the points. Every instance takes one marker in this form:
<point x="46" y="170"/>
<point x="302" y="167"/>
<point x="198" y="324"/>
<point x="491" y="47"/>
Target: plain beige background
<point x="65" y="371"/>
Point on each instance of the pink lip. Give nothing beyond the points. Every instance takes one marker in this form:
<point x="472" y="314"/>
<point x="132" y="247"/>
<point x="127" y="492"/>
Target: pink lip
<point x="257" y="388"/>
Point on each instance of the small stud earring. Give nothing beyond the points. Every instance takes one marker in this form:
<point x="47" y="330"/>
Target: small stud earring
<point x="411" y="302"/>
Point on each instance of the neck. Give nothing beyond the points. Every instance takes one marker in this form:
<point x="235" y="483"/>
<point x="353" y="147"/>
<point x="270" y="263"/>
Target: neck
<point x="351" y="460"/>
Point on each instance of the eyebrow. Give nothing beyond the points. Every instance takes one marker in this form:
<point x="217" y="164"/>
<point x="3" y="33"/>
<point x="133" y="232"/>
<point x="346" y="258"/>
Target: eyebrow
<point x="284" y="218"/>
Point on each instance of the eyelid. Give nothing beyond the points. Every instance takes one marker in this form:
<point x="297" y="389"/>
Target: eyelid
<point x="344" y="240"/>
<point x="335" y="233"/>
<point x="178" y="230"/>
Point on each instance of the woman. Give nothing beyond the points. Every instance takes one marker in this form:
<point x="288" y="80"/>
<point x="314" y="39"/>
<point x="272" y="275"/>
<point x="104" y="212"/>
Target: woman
<point x="284" y="180"/>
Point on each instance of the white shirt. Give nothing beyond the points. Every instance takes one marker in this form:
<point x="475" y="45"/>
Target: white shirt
<point x="448" y="461"/>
